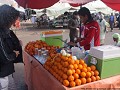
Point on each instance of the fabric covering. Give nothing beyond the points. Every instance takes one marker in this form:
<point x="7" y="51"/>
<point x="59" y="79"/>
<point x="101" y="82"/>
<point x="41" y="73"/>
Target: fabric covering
<point x="114" y="4"/>
<point x="76" y="1"/>
<point x="36" y="4"/>
<point x="75" y="5"/>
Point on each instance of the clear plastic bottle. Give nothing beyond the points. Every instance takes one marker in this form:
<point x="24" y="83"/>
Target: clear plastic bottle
<point x="36" y="51"/>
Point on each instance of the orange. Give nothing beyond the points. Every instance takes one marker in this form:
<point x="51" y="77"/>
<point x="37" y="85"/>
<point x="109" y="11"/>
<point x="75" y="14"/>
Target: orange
<point x="62" y="63"/>
<point x="93" y="68"/>
<point x="66" y="58"/>
<point x="71" y="78"/>
<point x="97" y="78"/>
<point x="64" y="76"/>
<point x="83" y="74"/>
<point x="92" y="73"/>
<point x="73" y="70"/>
<point x="61" y="73"/>
<point x="83" y="80"/>
<point x="76" y="61"/>
<point x="55" y="68"/>
<point x="88" y="69"/>
<point x="66" y="83"/>
<point x="80" y="66"/>
<point x="70" y="66"/>
<point x="71" y="61"/>
<point x="78" y="82"/>
<point x="49" y="58"/>
<point x="75" y="66"/>
<point x="55" y="63"/>
<point x="76" y="76"/>
<point x="57" y="76"/>
<point x="93" y="78"/>
<point x="81" y="61"/>
<point x="61" y="80"/>
<point x="60" y="66"/>
<point x="88" y="80"/>
<point x="84" y="70"/>
<point x="63" y="58"/>
<point x="78" y="71"/>
<point x="52" y="55"/>
<point x="88" y="74"/>
<point x="65" y="70"/>
<point x="70" y="56"/>
<point x="72" y="84"/>
<point x="96" y="73"/>
<point x="85" y="65"/>
<point x="69" y="72"/>
<point x="66" y="64"/>
<point x="57" y="59"/>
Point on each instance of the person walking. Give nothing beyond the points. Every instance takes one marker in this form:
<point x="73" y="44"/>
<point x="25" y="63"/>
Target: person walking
<point x="118" y="19"/>
<point x="10" y="47"/>
<point x="102" y="23"/>
<point x="111" y="21"/>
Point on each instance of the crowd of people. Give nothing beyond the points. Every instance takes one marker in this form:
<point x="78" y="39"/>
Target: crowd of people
<point x="89" y="31"/>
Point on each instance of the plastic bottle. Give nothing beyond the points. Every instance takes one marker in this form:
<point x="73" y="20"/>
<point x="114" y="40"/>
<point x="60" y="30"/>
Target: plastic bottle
<point x="74" y="51"/>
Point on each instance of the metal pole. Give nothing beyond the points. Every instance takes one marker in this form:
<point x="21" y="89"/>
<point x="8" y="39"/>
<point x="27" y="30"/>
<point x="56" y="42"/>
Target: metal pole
<point x="80" y="25"/>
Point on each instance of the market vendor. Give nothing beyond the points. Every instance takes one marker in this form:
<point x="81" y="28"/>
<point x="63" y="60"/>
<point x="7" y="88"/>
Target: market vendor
<point x="116" y="38"/>
<point x="73" y="25"/>
<point x="91" y="36"/>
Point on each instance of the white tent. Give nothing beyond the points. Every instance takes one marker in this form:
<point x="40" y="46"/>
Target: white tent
<point x="12" y="3"/>
<point x="98" y="6"/>
<point x="55" y="10"/>
<point x="21" y="9"/>
<point x="9" y="2"/>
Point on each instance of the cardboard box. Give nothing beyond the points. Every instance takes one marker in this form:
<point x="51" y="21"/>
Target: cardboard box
<point x="107" y="60"/>
<point x="49" y="37"/>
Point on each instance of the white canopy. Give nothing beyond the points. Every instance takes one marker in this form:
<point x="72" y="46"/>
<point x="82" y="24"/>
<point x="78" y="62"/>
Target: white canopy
<point x="9" y="2"/>
<point x="55" y="10"/>
<point x="98" y="6"/>
<point x="76" y="1"/>
<point x="12" y="3"/>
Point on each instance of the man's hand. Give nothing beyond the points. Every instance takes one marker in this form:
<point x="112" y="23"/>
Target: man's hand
<point x="77" y="29"/>
<point x="72" y="44"/>
<point x="17" y="53"/>
<point x="78" y="39"/>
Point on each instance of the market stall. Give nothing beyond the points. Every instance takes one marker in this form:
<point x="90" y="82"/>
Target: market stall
<point x="38" y="78"/>
<point x="50" y="67"/>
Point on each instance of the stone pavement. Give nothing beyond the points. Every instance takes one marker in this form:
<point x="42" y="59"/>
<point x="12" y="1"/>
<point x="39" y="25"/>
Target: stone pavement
<point x="31" y="34"/>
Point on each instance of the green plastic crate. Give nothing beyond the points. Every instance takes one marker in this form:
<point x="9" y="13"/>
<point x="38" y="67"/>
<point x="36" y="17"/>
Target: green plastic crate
<point x="107" y="67"/>
<point x="50" y="39"/>
<point x="106" y="59"/>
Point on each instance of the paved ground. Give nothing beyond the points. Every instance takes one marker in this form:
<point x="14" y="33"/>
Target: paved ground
<point x="28" y="33"/>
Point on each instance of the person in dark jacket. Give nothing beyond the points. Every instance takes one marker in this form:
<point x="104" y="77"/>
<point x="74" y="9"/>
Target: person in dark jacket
<point x="73" y="25"/>
<point x="118" y="19"/>
<point x="10" y="48"/>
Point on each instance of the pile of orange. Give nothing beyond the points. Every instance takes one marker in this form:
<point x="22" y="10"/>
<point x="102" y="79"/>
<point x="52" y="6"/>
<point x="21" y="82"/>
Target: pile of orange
<point x="71" y="72"/>
<point x="30" y="47"/>
<point x="52" y="32"/>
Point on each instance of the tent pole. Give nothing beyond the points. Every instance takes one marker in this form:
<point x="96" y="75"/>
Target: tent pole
<point x="80" y="25"/>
